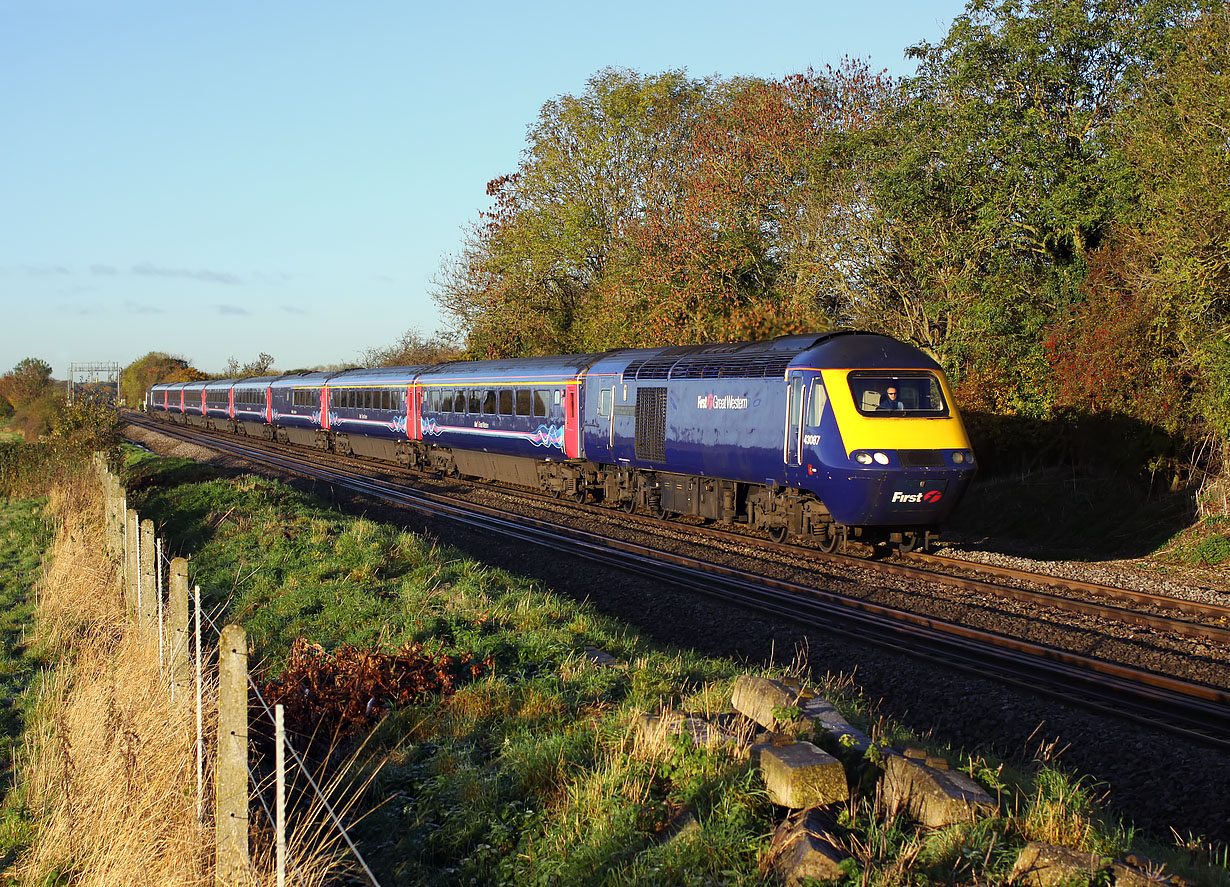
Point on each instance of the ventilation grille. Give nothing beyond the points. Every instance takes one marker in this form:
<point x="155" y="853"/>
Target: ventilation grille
<point x="710" y="365"/>
<point x="651" y="424"/>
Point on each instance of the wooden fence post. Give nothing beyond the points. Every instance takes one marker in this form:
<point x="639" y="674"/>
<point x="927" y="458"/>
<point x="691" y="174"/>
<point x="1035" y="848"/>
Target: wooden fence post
<point x="231" y="786"/>
<point x="178" y="624"/>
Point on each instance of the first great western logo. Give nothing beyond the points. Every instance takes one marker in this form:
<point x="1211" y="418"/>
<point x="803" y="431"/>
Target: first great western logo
<point x="720" y="402"/>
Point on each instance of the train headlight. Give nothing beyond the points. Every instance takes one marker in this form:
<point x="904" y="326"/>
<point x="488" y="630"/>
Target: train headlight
<point x="958" y="457"/>
<point x="862" y="458"/>
<point x="881" y="458"/>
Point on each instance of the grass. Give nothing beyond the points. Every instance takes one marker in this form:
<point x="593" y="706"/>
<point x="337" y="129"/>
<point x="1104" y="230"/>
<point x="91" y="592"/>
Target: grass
<point x="25" y="533"/>
<point x="531" y="772"/>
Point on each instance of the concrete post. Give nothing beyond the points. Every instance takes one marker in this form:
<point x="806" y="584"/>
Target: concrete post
<point x="231" y="785"/>
<point x="181" y="674"/>
<point x="131" y="567"/>
<point x="149" y="583"/>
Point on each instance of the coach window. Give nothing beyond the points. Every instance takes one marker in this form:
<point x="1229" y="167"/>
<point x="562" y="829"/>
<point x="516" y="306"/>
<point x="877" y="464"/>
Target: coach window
<point x="506" y="402"/>
<point x="476" y="401"/>
<point x="604" y="402"/>
<point x="489" y="402"/>
<point x="524" y="405"/>
<point x="540" y="401"/>
<point x="459" y="401"/>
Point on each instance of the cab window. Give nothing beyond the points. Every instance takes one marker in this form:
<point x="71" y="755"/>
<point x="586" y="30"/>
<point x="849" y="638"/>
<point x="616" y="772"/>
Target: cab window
<point x="888" y="395"/>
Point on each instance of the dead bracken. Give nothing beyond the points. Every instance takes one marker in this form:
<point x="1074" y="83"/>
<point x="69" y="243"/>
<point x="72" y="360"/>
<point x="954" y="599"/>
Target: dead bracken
<point x="350" y="688"/>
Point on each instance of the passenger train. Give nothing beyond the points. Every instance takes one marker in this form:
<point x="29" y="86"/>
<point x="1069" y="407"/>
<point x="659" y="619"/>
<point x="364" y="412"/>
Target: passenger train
<point x="830" y="436"/>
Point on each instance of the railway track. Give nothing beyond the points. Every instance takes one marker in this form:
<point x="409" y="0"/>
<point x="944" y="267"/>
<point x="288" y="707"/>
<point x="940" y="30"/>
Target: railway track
<point x="1191" y="708"/>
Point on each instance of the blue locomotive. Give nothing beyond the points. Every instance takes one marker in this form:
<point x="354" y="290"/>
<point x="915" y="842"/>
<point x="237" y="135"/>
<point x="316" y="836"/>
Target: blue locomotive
<point x="828" y="437"/>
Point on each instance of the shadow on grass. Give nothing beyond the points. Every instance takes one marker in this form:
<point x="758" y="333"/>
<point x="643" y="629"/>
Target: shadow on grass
<point x="1083" y="486"/>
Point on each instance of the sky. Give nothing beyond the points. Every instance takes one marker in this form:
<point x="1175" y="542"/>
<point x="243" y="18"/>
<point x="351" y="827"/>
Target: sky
<point x="216" y="180"/>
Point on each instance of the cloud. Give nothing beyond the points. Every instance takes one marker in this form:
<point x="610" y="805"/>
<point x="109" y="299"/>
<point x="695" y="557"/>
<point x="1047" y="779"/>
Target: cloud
<point x="232" y="310"/>
<point x="293" y="309"/>
<point x="104" y="270"/>
<point x="137" y="308"/>
<point x="44" y="270"/>
<point x="222" y="277"/>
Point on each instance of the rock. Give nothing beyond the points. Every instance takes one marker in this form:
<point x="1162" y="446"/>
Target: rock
<point x="805" y="846"/>
<point x="757" y="697"/>
<point x="932" y="796"/>
<point x="1050" y="865"/>
<point x="799" y="775"/>
<point x="600" y="657"/>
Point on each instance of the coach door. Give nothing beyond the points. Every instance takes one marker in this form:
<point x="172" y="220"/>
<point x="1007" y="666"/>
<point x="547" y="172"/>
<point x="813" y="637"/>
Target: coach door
<point x="792" y="446"/>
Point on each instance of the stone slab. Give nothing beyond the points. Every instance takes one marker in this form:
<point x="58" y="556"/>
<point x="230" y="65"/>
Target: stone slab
<point x="757" y="697"/>
<point x="799" y="775"/>
<point x="934" y="797"/>
<point x="805" y="849"/>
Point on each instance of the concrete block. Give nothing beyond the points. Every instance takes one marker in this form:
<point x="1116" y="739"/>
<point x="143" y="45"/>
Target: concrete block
<point x="756" y="697"/>
<point x="824" y="715"/>
<point x="1050" y="865"/>
<point x="698" y="729"/>
<point x="931" y="796"/>
<point x="805" y="848"/>
<point x="799" y="775"/>
<point x="1136" y="871"/>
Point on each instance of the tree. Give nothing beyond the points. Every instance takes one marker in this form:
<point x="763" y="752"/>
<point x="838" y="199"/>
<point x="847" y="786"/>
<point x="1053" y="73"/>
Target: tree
<point x="26" y="382"/>
<point x="753" y="246"/>
<point x="998" y="178"/>
<point x="595" y="164"/>
<point x="413" y="349"/>
<point x="152" y="369"/>
<point x="1152" y="340"/>
<point x="262" y="366"/>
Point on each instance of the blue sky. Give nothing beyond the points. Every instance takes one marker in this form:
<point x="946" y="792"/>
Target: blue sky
<point x="219" y="179"/>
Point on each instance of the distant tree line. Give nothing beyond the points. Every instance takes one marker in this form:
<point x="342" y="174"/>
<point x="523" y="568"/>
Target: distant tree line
<point x="1044" y="207"/>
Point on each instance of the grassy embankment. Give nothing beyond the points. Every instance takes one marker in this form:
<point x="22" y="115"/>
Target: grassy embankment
<point x="532" y="771"/>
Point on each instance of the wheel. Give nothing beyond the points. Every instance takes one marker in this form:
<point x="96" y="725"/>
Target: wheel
<point x="580" y="495"/>
<point x="831" y="541"/>
<point x="628" y="505"/>
<point x="909" y="541"/>
<point x="779" y="534"/>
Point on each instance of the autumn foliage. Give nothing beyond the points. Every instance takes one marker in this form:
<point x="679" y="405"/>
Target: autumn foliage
<point x="1042" y="206"/>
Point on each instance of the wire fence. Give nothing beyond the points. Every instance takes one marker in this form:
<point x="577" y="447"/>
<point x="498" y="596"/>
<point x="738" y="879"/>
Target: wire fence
<point x="155" y="589"/>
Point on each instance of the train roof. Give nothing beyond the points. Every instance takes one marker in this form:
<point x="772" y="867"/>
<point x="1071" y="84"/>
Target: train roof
<point x="854" y="349"/>
<point x="376" y="376"/>
<point x="567" y="366"/>
<point x="301" y="380"/>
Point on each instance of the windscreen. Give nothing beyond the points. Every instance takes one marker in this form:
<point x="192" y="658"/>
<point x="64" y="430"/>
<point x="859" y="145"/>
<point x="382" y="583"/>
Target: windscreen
<point x="889" y="395"/>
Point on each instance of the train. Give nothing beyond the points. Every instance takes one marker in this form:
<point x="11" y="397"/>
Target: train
<point x="828" y="437"/>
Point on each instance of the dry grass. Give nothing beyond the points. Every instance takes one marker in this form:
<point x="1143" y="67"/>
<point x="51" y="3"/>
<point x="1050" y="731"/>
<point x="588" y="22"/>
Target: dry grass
<point x="110" y="770"/>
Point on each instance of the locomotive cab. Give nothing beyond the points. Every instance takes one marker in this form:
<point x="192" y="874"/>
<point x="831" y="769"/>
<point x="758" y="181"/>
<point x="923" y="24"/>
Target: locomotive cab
<point x="880" y="440"/>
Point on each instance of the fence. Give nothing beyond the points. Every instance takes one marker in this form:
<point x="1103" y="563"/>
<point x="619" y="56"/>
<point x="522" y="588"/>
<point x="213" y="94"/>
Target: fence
<point x="186" y="636"/>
